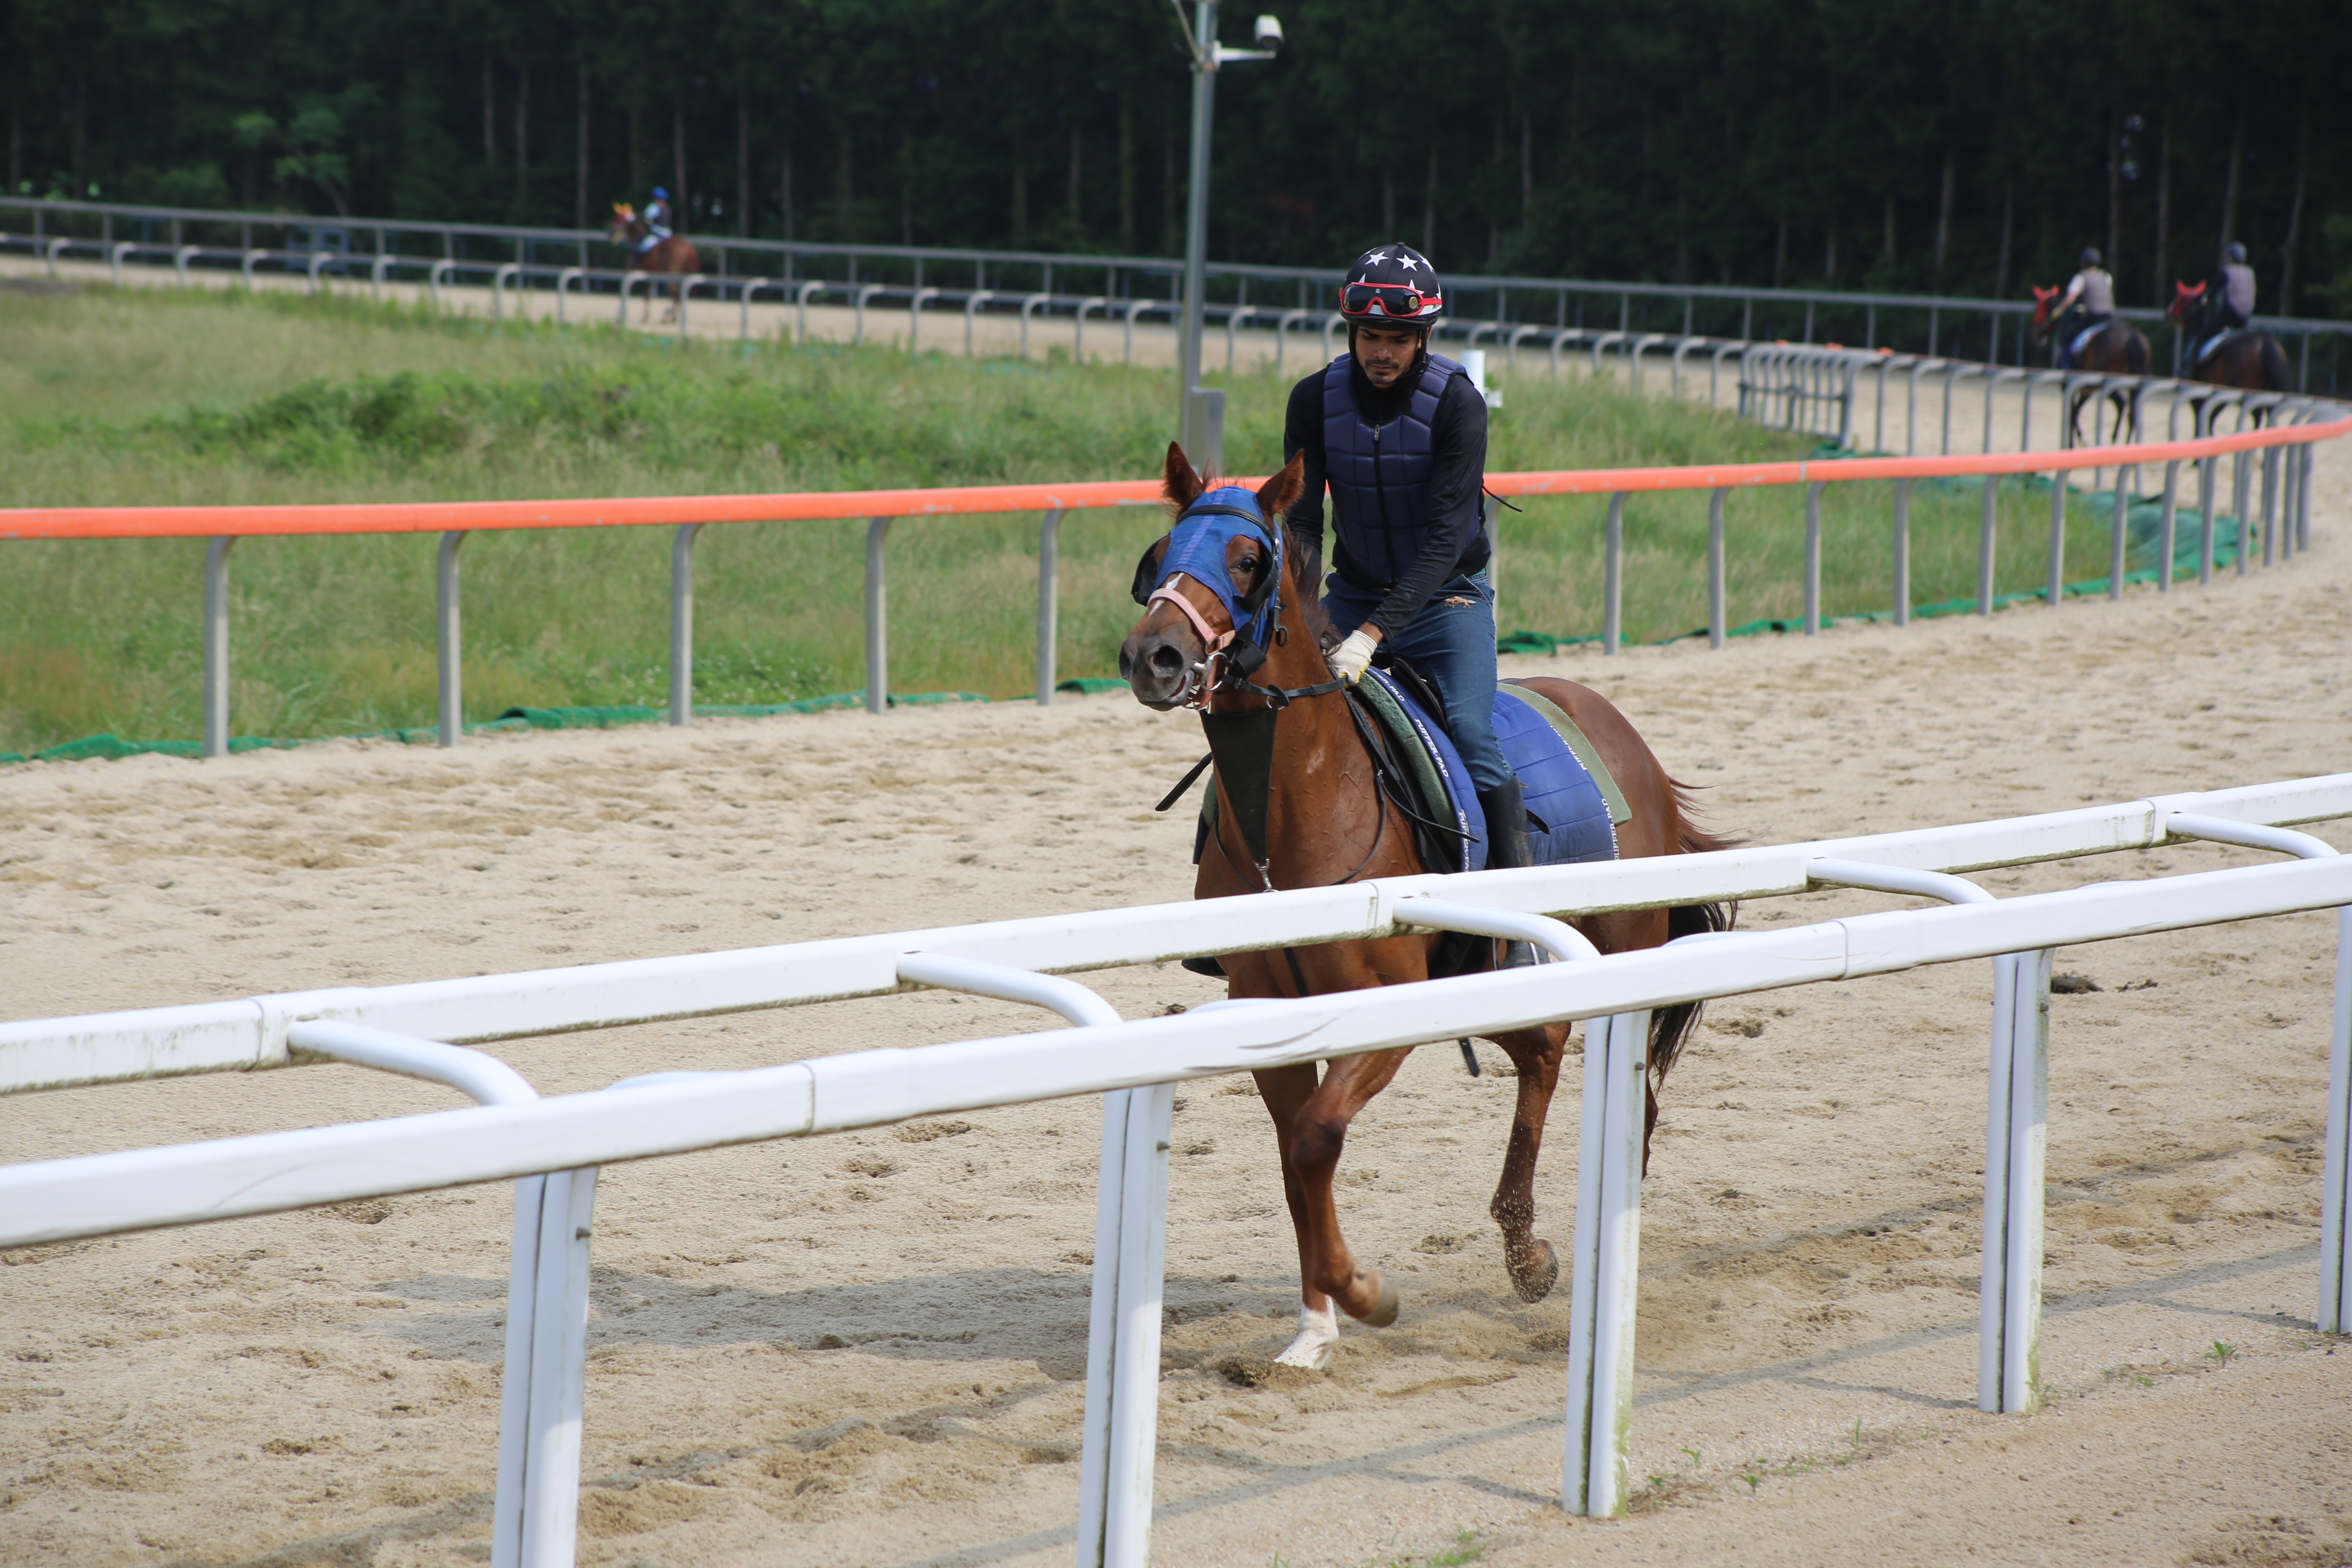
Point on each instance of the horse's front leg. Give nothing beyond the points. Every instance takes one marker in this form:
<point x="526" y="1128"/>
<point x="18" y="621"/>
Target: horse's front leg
<point x="1318" y="1132"/>
<point x="1533" y="1264"/>
<point x="1286" y="1092"/>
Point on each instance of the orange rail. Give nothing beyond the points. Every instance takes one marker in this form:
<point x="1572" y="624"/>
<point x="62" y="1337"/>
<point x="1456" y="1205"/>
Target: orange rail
<point x="435" y="516"/>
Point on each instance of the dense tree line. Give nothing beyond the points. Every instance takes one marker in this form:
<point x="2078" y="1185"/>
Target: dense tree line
<point x="1966" y="146"/>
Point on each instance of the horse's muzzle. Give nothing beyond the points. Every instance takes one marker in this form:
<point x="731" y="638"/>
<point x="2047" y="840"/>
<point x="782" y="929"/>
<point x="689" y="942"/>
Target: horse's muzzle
<point x="1158" y="666"/>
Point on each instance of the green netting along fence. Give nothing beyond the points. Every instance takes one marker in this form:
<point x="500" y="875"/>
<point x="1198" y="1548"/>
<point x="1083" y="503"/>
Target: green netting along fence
<point x="2143" y="522"/>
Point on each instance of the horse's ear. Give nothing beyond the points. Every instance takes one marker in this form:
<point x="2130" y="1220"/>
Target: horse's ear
<point x="1180" y="485"/>
<point x="1279" y="494"/>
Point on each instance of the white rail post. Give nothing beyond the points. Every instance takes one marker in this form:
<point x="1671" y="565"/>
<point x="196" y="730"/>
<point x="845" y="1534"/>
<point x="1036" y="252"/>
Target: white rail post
<point x="629" y="276"/>
<point x="217" y="645"/>
<point x="1049" y="602"/>
<point x="2016" y="1106"/>
<point x="2116" y="546"/>
<point x="551" y="1489"/>
<point x="2057" y="535"/>
<point x="743" y="298"/>
<point x="681" y="624"/>
<point x="1986" y="522"/>
<point x="878" y="631"/>
<point x="1612" y="608"/>
<point x="179" y="261"/>
<point x="1716" y="628"/>
<point x="1130" y="1423"/>
<point x="1606" y="1268"/>
<point x="450" y="645"/>
<point x="2335" y="1259"/>
<point x="1814" y="557"/>
<point x="1903" y="553"/>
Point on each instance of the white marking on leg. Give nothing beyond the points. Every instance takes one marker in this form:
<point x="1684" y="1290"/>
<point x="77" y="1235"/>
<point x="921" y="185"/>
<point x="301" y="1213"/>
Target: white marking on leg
<point x="1317" y="1333"/>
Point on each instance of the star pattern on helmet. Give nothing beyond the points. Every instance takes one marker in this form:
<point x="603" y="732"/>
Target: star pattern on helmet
<point x="1408" y="263"/>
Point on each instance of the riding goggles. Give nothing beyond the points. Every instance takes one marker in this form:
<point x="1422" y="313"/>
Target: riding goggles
<point x="1398" y="301"/>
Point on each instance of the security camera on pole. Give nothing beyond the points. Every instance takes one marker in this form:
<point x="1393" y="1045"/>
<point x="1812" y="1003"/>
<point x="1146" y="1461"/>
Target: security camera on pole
<point x="1200" y="416"/>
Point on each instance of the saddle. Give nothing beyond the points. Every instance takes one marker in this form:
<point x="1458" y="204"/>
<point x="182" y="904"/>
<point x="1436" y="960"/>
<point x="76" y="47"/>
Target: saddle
<point x="1573" y="805"/>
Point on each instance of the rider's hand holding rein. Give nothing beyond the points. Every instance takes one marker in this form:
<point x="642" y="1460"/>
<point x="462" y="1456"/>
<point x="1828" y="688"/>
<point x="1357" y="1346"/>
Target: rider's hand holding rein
<point x="1353" y="656"/>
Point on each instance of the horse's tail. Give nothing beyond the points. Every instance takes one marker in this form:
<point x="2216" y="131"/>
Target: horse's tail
<point x="1670" y="1028"/>
<point x="2136" y="354"/>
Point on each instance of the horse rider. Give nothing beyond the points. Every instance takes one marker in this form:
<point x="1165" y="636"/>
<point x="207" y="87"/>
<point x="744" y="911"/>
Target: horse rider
<point x="657" y="221"/>
<point x="2090" y="297"/>
<point x="2228" y="300"/>
<point x="1398" y="435"/>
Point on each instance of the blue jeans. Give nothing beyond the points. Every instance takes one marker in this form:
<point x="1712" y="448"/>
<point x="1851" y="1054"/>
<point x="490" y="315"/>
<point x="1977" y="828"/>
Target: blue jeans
<point x="1453" y="644"/>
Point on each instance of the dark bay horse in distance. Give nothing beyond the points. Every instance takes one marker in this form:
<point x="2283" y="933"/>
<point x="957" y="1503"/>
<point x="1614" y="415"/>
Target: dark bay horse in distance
<point x="673" y="256"/>
<point x="2117" y="349"/>
<point x="1328" y="821"/>
<point x="2254" y="361"/>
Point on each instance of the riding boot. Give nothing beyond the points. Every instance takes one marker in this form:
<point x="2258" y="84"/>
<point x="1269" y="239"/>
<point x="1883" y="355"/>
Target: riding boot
<point x="1506" y="846"/>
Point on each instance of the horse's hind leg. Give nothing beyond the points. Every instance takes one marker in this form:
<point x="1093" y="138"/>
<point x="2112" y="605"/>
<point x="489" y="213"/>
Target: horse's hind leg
<point x="1533" y="1264"/>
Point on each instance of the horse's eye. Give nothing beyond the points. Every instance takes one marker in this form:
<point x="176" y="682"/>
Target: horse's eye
<point x="1251" y="563"/>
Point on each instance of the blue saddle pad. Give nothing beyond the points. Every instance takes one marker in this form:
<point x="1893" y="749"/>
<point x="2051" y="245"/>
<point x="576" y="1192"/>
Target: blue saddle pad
<point x="1561" y="793"/>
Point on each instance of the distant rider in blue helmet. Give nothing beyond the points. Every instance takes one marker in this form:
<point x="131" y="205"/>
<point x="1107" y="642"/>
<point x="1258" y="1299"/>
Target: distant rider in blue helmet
<point x="657" y="221"/>
<point x="1398" y="436"/>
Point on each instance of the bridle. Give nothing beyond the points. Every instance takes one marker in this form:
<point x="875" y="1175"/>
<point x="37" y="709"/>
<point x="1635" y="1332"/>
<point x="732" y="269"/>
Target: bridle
<point x="1233" y="656"/>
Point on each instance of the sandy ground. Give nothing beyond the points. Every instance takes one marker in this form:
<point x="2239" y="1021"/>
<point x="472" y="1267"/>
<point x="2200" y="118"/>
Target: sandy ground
<point x="864" y="1350"/>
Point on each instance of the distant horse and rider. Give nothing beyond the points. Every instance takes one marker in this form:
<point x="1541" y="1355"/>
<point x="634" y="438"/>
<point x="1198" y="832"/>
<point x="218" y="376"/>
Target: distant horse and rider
<point x="2218" y="315"/>
<point x="654" y="247"/>
<point x="2081" y="316"/>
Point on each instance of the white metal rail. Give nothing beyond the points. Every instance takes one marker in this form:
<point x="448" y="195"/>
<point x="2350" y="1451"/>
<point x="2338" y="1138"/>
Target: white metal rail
<point x="1134" y="1064"/>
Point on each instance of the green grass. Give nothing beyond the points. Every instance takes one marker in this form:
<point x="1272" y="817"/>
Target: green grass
<point x="138" y="398"/>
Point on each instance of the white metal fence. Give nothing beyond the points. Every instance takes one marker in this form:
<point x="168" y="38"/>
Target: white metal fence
<point x="554" y="1146"/>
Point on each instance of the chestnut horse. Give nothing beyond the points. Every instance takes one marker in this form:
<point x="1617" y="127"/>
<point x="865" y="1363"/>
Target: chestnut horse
<point x="2117" y="349"/>
<point x="2251" y="360"/>
<point x="674" y="255"/>
<point x="1326" y="821"/>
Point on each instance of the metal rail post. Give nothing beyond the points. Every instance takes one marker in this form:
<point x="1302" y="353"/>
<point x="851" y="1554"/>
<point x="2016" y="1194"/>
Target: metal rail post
<point x="564" y="281"/>
<point x="1715" y="628"/>
<point x="1903" y="553"/>
<point x="1078" y="326"/>
<point x="2017" y="1112"/>
<point x="447" y="640"/>
<point x="2057" y="535"/>
<point x="1605" y="1268"/>
<point x="497" y="287"/>
<point x="681" y="624"/>
<point x="444" y="269"/>
<point x="914" y="315"/>
<point x="1028" y="304"/>
<point x="1612" y="606"/>
<point x="1049" y="602"/>
<point x="217" y="645"/>
<point x="2167" y="529"/>
<point x="1986" y="523"/>
<point x="878" y="631"/>
<point x="2116" y="546"/>
<point x="2270" y="506"/>
<point x="1814" y="557"/>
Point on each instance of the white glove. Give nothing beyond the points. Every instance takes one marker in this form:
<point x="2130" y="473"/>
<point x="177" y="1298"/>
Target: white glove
<point x="1353" y="656"/>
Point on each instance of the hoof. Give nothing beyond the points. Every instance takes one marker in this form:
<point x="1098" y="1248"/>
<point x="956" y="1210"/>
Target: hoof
<point x="1384" y="1310"/>
<point x="1534" y="1284"/>
<point x="1317" y="1333"/>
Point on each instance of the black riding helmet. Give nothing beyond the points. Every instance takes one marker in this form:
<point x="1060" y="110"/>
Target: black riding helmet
<point x="2090" y="257"/>
<point x="1391" y="285"/>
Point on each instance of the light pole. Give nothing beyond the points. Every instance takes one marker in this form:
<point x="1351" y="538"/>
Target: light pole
<point x="1200" y="413"/>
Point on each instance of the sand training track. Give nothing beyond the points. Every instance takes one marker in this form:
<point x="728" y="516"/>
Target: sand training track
<point x="864" y="1350"/>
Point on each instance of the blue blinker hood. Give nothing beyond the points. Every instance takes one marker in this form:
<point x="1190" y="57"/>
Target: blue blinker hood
<point x="1196" y="547"/>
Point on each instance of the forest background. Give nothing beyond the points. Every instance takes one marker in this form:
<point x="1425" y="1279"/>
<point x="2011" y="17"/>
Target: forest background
<point x="1963" y="146"/>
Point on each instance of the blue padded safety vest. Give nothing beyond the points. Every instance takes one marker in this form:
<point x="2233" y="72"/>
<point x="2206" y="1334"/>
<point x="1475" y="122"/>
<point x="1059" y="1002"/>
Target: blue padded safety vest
<point x="1379" y="475"/>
